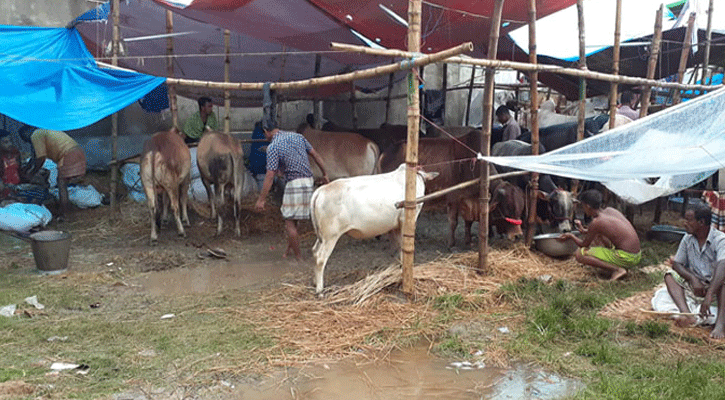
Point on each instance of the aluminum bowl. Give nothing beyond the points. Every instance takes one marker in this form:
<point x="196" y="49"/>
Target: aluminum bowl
<point x="549" y="245"/>
<point x="666" y="233"/>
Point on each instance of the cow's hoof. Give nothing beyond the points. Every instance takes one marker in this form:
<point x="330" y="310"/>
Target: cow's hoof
<point x="182" y="234"/>
<point x="153" y="242"/>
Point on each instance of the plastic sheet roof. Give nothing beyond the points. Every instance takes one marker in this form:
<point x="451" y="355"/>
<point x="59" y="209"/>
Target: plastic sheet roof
<point x="276" y="40"/>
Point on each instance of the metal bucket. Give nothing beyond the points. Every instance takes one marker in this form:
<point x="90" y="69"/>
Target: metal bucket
<point x="50" y="250"/>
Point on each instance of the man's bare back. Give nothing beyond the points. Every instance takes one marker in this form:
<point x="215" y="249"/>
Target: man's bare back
<point x="611" y="224"/>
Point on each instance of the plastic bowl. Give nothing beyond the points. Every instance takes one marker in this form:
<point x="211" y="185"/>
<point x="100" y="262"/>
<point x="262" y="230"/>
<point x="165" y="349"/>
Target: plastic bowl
<point x="549" y="245"/>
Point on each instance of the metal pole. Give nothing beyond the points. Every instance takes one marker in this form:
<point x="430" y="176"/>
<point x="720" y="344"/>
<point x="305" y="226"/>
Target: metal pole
<point x="411" y="151"/>
<point x="316" y="104"/>
<point x="484" y="197"/>
<point x="387" y="100"/>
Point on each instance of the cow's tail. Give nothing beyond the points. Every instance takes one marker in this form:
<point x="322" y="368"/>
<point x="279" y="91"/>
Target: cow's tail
<point x="313" y="201"/>
<point x="376" y="160"/>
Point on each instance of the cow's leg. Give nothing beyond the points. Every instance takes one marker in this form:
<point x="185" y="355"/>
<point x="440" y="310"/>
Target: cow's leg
<point x="237" y="216"/>
<point x="467" y="232"/>
<point x="152" y="204"/>
<point x="209" y="195"/>
<point x="219" y="199"/>
<point x="322" y="250"/>
<point x="165" y="207"/>
<point x="184" y="200"/>
<point x="173" y="195"/>
<point x="452" y="223"/>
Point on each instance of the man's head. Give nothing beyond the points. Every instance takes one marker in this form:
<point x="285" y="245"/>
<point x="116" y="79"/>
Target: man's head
<point x="205" y="105"/>
<point x="269" y="126"/>
<point x="5" y="143"/>
<point x="591" y="199"/>
<point x="502" y="114"/>
<point x="698" y="219"/>
<point x="628" y="98"/>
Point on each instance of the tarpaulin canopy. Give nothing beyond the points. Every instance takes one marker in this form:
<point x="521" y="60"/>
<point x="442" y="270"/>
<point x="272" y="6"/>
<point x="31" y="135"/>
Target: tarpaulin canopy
<point x="680" y="146"/>
<point x="51" y="81"/>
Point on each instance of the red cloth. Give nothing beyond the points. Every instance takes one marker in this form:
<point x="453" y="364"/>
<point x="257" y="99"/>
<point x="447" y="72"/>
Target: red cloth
<point x="716" y="201"/>
<point x="10" y="168"/>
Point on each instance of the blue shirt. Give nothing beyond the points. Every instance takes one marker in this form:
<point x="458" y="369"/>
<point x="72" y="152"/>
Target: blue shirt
<point x="288" y="153"/>
<point x="701" y="261"/>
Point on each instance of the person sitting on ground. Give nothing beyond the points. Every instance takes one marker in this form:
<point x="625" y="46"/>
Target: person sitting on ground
<point x="200" y="121"/>
<point x="10" y="164"/>
<point x="511" y="128"/>
<point x="621" y="244"/>
<point x="627" y="104"/>
<point x="698" y="269"/>
<point x="288" y="153"/>
<point x="61" y="149"/>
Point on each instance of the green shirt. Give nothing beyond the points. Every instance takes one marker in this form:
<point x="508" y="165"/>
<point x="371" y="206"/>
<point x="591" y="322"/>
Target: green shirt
<point x="194" y="128"/>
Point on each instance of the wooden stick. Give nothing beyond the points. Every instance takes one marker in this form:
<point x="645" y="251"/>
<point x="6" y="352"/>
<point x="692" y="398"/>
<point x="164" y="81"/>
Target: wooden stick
<point x="652" y="62"/>
<point x="582" y="84"/>
<point x="227" y="98"/>
<point x="708" y="38"/>
<point x="418" y="61"/>
<point x="470" y="94"/>
<point x="666" y="313"/>
<point x="483" y="195"/>
<point x="686" y="44"/>
<point x="613" y="88"/>
<point x="499" y="64"/>
<point x="388" y="98"/>
<point x="534" y="124"/>
<point x="115" y="210"/>
<point x="170" y="69"/>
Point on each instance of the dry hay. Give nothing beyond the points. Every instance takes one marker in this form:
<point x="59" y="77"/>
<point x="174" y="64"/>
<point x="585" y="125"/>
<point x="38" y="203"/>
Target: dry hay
<point x="370" y="318"/>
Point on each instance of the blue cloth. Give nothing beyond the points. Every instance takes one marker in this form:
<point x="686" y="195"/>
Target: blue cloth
<point x="257" y="157"/>
<point x="288" y="153"/>
<point x="50" y="80"/>
<point x="156" y="100"/>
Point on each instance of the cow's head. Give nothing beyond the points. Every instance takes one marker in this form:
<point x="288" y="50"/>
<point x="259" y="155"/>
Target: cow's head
<point x="559" y="209"/>
<point x="507" y="205"/>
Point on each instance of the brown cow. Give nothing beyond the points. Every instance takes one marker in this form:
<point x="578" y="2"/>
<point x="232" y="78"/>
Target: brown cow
<point x="221" y="161"/>
<point x="345" y="154"/>
<point x="165" y="170"/>
<point x="506" y="209"/>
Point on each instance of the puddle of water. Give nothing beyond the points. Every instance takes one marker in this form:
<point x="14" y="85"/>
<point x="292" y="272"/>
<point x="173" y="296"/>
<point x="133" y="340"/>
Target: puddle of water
<point x="525" y="383"/>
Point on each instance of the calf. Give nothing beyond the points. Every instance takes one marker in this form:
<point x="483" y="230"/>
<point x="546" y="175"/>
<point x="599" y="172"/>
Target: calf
<point x="345" y="154"/>
<point x="221" y="163"/>
<point x="165" y="166"/>
<point x="362" y="207"/>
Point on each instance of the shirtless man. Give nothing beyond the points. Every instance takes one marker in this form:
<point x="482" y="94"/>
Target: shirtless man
<point x="620" y="244"/>
<point x="698" y="269"/>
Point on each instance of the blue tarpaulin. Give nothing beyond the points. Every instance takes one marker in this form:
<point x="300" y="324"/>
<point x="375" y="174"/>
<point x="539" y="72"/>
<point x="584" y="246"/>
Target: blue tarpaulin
<point x="51" y="81"/>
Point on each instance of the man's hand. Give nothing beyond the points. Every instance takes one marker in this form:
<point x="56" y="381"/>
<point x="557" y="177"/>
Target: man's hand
<point x="564" y="237"/>
<point x="580" y="227"/>
<point x="259" y="207"/>
<point x="325" y="178"/>
<point x="699" y="288"/>
<point x="705" y="307"/>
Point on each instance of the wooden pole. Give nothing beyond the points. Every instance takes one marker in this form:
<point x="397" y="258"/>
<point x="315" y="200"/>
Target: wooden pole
<point x="227" y="95"/>
<point x="534" y="124"/>
<point x="483" y="196"/>
<point x="353" y="108"/>
<point x="613" y="88"/>
<point x="316" y="103"/>
<point x="686" y="44"/>
<point x="387" y="100"/>
<point x="444" y="87"/>
<point x="582" y="83"/>
<point x="170" y="69"/>
<point x="499" y="64"/>
<point x="708" y="38"/>
<point x="115" y="209"/>
<point x="470" y="94"/>
<point x="652" y="62"/>
<point x="411" y="151"/>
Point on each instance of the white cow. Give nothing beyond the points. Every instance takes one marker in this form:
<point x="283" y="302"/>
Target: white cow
<point x="362" y="207"/>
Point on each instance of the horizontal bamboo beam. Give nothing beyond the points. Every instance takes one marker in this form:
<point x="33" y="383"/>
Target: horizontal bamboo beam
<point x="418" y="60"/>
<point x="532" y="67"/>
<point x="460" y="186"/>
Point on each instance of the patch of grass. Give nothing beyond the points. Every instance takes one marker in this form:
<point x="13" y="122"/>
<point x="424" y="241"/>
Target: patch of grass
<point x="599" y="352"/>
<point x="448" y="302"/>
<point x="453" y="347"/>
<point x="651" y="329"/>
<point x="654" y="252"/>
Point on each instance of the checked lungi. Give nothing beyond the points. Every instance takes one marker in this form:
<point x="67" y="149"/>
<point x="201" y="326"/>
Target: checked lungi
<point x="716" y="201"/>
<point x="296" y="199"/>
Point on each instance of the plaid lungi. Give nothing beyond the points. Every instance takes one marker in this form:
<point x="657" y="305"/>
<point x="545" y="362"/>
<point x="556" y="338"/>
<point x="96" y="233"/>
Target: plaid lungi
<point x="73" y="164"/>
<point x="716" y="201"/>
<point x="296" y="199"/>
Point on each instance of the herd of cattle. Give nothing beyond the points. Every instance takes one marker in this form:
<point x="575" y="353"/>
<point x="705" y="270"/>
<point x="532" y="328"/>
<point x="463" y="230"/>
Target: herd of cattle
<point x="362" y="206"/>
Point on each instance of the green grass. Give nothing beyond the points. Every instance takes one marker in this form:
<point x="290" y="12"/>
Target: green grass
<point x="121" y="341"/>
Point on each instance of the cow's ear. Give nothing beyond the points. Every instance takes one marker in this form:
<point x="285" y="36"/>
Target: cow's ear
<point x="492" y="206"/>
<point x="429" y="175"/>
<point x="542" y="195"/>
<point x="575" y="200"/>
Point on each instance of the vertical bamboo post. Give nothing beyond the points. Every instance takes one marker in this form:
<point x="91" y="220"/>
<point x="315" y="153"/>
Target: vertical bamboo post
<point x="227" y="95"/>
<point x="114" y="118"/>
<point x="316" y="103"/>
<point x="470" y="95"/>
<point x="353" y="101"/>
<point x="652" y="62"/>
<point x="582" y="82"/>
<point x="444" y="87"/>
<point x="534" y="124"/>
<point x="684" y="54"/>
<point x="483" y="196"/>
<point x="708" y="38"/>
<point x="387" y="100"/>
<point x="170" y="69"/>
<point x="613" y="88"/>
<point x="411" y="151"/>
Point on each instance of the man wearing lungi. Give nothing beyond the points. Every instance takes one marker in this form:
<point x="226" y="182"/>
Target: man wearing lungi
<point x="287" y="154"/>
<point x="698" y="270"/>
<point x="64" y="151"/>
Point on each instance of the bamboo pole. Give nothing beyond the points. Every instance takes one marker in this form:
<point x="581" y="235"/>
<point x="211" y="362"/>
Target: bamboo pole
<point x="411" y="151"/>
<point x="227" y="96"/>
<point x="686" y="44"/>
<point x="115" y="209"/>
<point x="470" y="94"/>
<point x="387" y="100"/>
<point x="613" y="88"/>
<point x="582" y="83"/>
<point x="170" y="69"/>
<point x="417" y="61"/>
<point x="483" y="195"/>
<point x="652" y="62"/>
<point x="708" y="38"/>
<point x="500" y="64"/>
<point x="534" y="124"/>
<point x="316" y="103"/>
